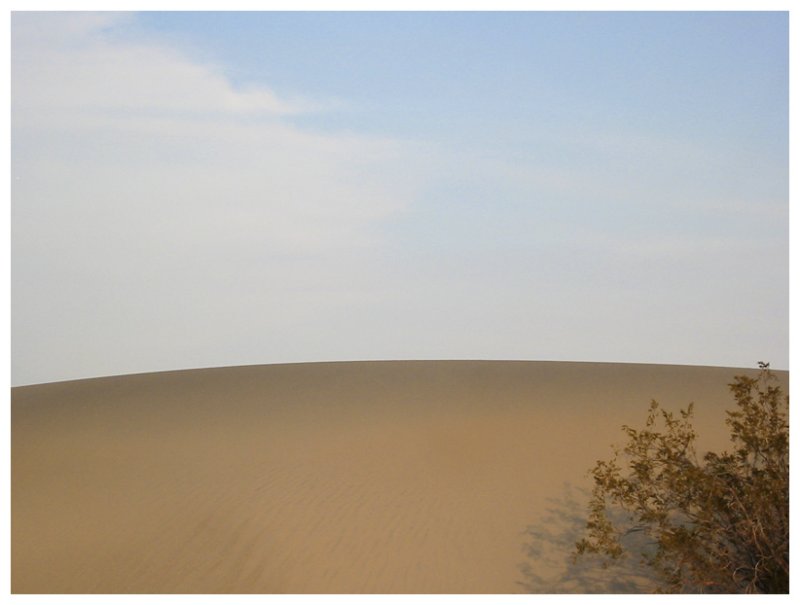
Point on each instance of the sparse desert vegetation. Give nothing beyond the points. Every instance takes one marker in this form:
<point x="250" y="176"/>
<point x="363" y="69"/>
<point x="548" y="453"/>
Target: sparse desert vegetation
<point x="716" y="522"/>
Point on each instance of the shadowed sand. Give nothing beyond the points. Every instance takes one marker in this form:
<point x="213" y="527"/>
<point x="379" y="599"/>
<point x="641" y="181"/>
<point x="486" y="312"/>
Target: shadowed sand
<point x="380" y="477"/>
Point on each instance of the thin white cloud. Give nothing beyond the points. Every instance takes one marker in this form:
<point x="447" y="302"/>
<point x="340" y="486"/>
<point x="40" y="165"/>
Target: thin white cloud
<point x="69" y="63"/>
<point x="151" y="198"/>
<point x="145" y="128"/>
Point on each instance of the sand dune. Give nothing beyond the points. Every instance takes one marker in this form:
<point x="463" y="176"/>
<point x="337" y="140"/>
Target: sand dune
<point x="378" y="477"/>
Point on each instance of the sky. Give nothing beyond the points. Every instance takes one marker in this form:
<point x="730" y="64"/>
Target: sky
<point x="216" y="189"/>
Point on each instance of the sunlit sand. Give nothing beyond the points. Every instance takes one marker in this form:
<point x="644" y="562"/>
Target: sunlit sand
<point x="377" y="477"/>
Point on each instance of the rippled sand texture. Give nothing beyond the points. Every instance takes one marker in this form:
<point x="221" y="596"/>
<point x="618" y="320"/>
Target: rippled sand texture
<point x="382" y="477"/>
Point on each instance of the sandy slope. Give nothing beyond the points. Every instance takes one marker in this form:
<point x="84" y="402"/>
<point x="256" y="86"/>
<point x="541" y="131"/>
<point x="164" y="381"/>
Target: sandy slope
<point x="341" y="477"/>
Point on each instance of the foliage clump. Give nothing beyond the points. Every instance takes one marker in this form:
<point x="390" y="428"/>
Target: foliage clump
<point x="718" y="523"/>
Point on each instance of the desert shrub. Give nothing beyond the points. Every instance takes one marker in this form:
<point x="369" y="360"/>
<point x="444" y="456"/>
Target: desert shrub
<point x="718" y="523"/>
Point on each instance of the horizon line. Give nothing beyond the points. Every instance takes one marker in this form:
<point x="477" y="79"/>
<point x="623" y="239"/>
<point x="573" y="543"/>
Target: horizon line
<point x="411" y="360"/>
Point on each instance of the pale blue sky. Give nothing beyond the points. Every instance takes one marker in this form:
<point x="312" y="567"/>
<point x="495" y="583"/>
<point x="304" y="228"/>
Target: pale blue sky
<point x="464" y="76"/>
<point x="207" y="189"/>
